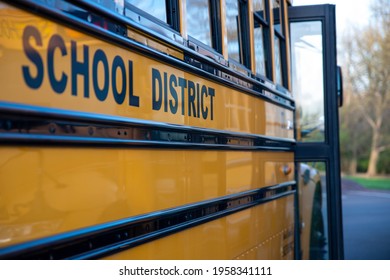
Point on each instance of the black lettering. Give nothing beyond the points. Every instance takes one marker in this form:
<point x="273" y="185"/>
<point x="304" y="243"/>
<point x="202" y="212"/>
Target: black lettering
<point x="191" y="98"/>
<point x="173" y="102"/>
<point x="55" y="42"/>
<point x="165" y="92"/>
<point x="204" y="94"/>
<point x="80" y="68"/>
<point x="212" y="95"/>
<point x="101" y="93"/>
<point x="156" y="100"/>
<point x="33" y="55"/>
<point x="133" y="100"/>
<point x="118" y="64"/>
<point x="197" y="101"/>
<point x="183" y="85"/>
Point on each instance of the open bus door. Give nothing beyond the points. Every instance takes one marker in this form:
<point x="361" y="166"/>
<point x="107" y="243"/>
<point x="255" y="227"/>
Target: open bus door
<point x="314" y="83"/>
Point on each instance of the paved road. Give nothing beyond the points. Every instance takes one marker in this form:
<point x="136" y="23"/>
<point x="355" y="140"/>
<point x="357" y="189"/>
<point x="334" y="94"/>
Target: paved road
<point x="366" y="217"/>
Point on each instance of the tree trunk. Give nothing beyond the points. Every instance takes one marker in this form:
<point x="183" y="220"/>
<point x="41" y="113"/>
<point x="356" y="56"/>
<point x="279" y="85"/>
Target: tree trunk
<point x="353" y="166"/>
<point x="374" y="154"/>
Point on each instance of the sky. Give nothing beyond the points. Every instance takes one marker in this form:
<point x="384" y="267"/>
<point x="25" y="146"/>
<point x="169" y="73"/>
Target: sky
<point x="348" y="12"/>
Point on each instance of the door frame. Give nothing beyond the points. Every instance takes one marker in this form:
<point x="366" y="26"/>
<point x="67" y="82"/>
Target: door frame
<point x="327" y="151"/>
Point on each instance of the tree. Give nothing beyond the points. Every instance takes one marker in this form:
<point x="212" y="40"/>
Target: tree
<point x="368" y="72"/>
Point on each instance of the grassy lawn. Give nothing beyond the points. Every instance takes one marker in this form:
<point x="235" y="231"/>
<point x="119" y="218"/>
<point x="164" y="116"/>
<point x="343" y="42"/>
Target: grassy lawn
<point x="379" y="183"/>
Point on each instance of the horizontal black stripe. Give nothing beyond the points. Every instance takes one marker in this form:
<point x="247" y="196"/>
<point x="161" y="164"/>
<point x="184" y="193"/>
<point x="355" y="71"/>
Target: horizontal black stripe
<point x="25" y="124"/>
<point x="193" y="62"/>
<point x="110" y="238"/>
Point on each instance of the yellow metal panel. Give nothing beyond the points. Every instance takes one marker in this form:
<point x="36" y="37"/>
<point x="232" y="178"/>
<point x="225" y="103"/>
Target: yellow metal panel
<point x="38" y="69"/>
<point x="154" y="44"/>
<point x="51" y="190"/>
<point x="238" y="236"/>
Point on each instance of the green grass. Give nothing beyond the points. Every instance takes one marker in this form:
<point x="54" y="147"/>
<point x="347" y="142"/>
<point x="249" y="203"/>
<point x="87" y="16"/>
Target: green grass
<point x="372" y="183"/>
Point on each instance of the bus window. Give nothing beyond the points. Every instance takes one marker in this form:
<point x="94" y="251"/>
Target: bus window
<point x="156" y="8"/>
<point x="279" y="41"/>
<point x="261" y="39"/>
<point x="159" y="12"/>
<point x="198" y="21"/>
<point x="313" y="215"/>
<point x="306" y="43"/>
<point x="233" y="29"/>
<point x="203" y="22"/>
<point x="236" y="11"/>
<point x="112" y="5"/>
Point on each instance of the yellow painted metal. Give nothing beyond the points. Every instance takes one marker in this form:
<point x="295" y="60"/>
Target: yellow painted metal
<point x="154" y="44"/>
<point x="183" y="22"/>
<point x="51" y="190"/>
<point x="154" y="84"/>
<point x="262" y="232"/>
<point x="224" y="31"/>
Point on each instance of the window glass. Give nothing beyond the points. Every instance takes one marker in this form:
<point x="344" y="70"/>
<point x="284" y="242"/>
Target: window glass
<point x="198" y="20"/>
<point x="313" y="210"/>
<point x="278" y="61"/>
<point x="277" y="13"/>
<point x="259" y="50"/>
<point x="116" y="6"/>
<point x="258" y="6"/>
<point x="261" y="38"/>
<point x="156" y="8"/>
<point x="279" y="42"/>
<point x="232" y="25"/>
<point x="307" y="79"/>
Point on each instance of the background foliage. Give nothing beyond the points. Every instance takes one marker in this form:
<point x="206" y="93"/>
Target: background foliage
<point x="364" y="119"/>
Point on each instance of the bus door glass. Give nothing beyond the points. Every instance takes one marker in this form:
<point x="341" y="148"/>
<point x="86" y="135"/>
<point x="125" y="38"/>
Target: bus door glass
<point x="314" y="85"/>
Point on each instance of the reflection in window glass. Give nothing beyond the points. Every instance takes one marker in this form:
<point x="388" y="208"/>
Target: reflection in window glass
<point x="155" y="8"/>
<point x="198" y="20"/>
<point x="277" y="28"/>
<point x="259" y="50"/>
<point x="278" y="61"/>
<point x="277" y="13"/>
<point x="313" y="210"/>
<point x="116" y="6"/>
<point x="232" y="24"/>
<point x="307" y="79"/>
<point x="258" y="6"/>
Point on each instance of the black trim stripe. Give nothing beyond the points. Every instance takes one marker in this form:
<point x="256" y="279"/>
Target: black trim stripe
<point x="110" y="238"/>
<point x="21" y="124"/>
<point x="193" y="61"/>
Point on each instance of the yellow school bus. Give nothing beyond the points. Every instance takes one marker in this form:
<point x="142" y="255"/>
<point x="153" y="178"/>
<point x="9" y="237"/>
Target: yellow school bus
<point x="169" y="129"/>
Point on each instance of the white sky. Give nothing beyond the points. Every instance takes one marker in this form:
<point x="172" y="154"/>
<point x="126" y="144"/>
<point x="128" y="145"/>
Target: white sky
<point x="348" y="12"/>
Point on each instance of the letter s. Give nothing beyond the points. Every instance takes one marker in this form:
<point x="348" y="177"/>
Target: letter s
<point x="33" y="55"/>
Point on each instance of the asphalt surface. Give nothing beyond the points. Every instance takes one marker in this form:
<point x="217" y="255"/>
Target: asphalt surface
<point x="366" y="218"/>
